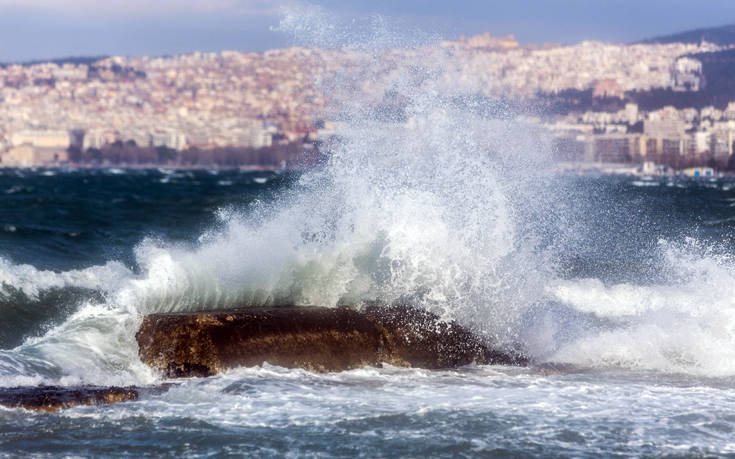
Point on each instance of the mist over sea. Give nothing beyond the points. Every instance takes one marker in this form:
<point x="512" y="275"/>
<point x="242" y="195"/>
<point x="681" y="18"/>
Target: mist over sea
<point x="619" y="289"/>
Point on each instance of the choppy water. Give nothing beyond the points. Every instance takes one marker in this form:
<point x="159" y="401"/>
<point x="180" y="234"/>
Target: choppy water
<point x="632" y="333"/>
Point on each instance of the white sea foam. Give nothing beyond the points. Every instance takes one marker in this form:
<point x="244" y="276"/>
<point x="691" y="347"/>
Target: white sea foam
<point x="642" y="183"/>
<point x="31" y="281"/>
<point x="686" y="325"/>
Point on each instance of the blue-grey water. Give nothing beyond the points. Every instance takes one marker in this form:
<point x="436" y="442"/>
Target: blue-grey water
<point x="621" y="290"/>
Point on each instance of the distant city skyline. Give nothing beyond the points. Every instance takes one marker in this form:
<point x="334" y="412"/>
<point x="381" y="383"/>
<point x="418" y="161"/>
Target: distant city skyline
<point x="45" y="29"/>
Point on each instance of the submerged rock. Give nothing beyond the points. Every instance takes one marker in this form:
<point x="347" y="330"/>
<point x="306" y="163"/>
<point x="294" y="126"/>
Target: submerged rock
<point x="53" y="398"/>
<point x="313" y="338"/>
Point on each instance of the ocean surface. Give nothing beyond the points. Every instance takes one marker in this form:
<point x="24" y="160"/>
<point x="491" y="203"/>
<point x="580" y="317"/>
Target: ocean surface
<point x="621" y="290"/>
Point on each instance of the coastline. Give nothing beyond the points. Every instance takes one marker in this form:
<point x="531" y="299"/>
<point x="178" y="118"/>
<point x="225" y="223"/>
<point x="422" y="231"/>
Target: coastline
<point x="562" y="168"/>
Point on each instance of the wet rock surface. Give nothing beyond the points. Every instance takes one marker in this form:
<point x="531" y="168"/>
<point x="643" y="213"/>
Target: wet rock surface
<point x="313" y="338"/>
<point x="417" y="338"/>
<point x="54" y="398"/>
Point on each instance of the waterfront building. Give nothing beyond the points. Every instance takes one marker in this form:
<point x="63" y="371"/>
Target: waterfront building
<point x="42" y="138"/>
<point x="27" y="155"/>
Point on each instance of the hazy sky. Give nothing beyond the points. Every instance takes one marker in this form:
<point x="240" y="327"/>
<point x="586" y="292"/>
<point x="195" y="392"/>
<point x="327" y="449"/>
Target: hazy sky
<point x="37" y="29"/>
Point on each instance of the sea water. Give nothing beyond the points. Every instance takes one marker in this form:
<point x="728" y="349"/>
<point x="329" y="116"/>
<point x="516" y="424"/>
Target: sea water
<point x="631" y="339"/>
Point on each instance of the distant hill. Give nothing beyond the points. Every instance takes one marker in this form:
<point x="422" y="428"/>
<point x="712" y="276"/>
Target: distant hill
<point x="723" y="35"/>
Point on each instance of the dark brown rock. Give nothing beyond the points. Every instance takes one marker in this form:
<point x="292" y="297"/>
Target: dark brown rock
<point x="313" y="338"/>
<point x="204" y="343"/>
<point x="417" y="338"/>
<point x="52" y="398"/>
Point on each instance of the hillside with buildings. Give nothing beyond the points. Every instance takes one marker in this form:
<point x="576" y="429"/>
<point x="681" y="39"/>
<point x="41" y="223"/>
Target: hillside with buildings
<point x="668" y="102"/>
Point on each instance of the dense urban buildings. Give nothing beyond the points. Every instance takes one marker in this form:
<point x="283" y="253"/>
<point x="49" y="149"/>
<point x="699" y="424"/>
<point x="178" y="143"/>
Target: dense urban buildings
<point x="240" y="103"/>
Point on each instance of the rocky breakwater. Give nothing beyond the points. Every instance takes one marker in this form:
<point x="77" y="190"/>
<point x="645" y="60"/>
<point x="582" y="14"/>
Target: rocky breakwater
<point x="313" y="338"/>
